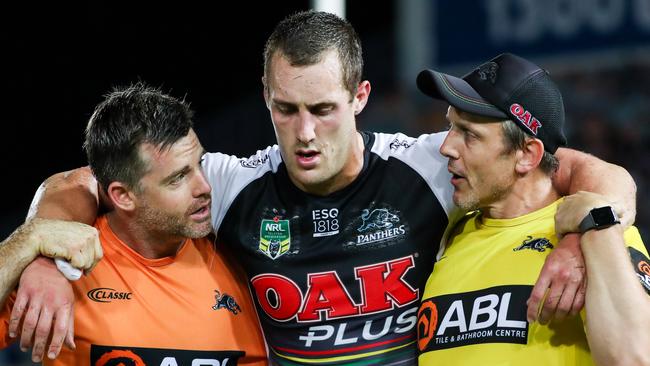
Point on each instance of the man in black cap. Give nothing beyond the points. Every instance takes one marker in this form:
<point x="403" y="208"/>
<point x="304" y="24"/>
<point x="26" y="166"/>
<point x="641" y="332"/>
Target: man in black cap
<point x="506" y="122"/>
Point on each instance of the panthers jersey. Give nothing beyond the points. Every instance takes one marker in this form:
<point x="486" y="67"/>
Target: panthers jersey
<point x="474" y="306"/>
<point x="337" y="279"/>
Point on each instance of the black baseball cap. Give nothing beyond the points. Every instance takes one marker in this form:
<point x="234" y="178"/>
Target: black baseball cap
<point x="507" y="87"/>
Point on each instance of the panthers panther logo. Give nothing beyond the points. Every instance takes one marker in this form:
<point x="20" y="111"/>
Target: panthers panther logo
<point x="539" y="244"/>
<point x="379" y="219"/>
<point x="226" y="301"/>
<point x="488" y="72"/>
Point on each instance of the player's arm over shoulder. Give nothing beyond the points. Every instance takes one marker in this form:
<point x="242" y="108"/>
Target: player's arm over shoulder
<point x="580" y="171"/>
<point x="73" y="196"/>
<point x="617" y="301"/>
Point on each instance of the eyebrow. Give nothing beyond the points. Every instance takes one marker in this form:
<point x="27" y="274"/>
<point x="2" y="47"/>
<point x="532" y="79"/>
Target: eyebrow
<point x="463" y="125"/>
<point x="282" y="102"/>
<point x="184" y="169"/>
<point x="309" y="106"/>
<point x="171" y="176"/>
<point x="321" y="105"/>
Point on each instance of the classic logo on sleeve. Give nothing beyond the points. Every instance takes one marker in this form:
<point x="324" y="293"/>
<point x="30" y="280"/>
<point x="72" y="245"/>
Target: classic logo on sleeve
<point x="275" y="237"/>
<point x="397" y="143"/>
<point x="134" y="356"/>
<point x="494" y="315"/>
<point x="254" y="161"/>
<point x="641" y="265"/>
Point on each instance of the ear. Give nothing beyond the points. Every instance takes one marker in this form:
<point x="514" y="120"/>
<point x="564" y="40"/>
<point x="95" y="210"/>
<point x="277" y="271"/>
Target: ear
<point x="361" y="98"/>
<point x="121" y="196"/>
<point x="529" y="157"/>
<point x="265" y="91"/>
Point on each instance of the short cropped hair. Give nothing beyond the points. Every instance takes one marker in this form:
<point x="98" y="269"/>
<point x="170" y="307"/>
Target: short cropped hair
<point x="126" y="119"/>
<point x="515" y="138"/>
<point x="305" y="36"/>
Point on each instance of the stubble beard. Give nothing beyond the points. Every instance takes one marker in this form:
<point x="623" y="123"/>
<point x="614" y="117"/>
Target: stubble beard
<point x="172" y="225"/>
<point x="468" y="203"/>
<point x="471" y="201"/>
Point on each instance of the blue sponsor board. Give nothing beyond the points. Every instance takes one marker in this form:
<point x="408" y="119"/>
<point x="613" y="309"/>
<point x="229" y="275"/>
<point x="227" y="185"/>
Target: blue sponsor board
<point x="471" y="31"/>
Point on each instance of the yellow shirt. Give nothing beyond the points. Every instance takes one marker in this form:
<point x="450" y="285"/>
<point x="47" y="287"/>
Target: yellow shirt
<point x="473" y="310"/>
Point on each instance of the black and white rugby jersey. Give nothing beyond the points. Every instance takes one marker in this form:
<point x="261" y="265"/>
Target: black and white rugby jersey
<point x="337" y="279"/>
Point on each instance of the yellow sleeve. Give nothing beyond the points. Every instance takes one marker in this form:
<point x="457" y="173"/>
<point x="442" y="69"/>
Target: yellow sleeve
<point x="633" y="239"/>
<point x="639" y="256"/>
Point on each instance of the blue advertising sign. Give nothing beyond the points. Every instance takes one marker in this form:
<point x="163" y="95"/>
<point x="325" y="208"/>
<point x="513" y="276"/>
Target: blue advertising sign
<point x="473" y="30"/>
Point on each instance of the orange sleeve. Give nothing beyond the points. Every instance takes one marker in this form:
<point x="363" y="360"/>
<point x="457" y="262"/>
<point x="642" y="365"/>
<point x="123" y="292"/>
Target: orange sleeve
<point x="5" y="341"/>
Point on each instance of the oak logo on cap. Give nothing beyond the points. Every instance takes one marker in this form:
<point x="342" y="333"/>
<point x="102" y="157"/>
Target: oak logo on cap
<point x="525" y="117"/>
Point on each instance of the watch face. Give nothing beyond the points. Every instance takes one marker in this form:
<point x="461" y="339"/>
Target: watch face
<point x="604" y="216"/>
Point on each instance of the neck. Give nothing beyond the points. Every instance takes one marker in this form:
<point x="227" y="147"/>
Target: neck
<point x="529" y="193"/>
<point x="352" y="167"/>
<point x="150" y="245"/>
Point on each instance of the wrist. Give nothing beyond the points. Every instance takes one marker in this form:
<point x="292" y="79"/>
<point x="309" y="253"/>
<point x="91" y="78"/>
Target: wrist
<point x="44" y="261"/>
<point x="599" y="218"/>
<point x="590" y="237"/>
<point x="26" y="238"/>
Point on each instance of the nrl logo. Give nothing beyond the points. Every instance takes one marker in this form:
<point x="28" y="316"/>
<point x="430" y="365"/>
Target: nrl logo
<point x="226" y="301"/>
<point x="275" y="237"/>
<point x="539" y="244"/>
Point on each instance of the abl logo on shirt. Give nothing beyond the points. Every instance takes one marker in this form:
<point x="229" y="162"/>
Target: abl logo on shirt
<point x="493" y="315"/>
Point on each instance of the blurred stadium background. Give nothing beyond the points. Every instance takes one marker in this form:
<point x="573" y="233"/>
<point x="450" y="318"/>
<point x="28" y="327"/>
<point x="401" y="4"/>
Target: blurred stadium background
<point x="60" y="58"/>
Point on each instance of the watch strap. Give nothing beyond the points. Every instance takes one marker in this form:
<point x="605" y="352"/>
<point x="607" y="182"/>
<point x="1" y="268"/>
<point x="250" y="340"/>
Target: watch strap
<point x="599" y="218"/>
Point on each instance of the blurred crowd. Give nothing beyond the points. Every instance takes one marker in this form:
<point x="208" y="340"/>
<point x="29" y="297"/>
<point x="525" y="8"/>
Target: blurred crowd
<point x="608" y="114"/>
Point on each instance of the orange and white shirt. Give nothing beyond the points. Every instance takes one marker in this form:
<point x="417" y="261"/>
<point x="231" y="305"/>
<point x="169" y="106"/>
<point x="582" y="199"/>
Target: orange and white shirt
<point x="193" y="307"/>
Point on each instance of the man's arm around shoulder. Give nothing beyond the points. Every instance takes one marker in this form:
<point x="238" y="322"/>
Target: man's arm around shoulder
<point x="559" y="290"/>
<point x="70" y="196"/>
<point x="579" y="171"/>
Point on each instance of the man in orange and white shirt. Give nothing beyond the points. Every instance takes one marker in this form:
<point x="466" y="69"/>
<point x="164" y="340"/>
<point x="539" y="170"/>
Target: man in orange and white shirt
<point x="162" y="294"/>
